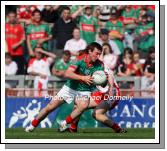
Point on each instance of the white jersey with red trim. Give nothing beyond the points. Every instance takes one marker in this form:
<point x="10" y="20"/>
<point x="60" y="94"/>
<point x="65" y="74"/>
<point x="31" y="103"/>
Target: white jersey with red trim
<point x="105" y="89"/>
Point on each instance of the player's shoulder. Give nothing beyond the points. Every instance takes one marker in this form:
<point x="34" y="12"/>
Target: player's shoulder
<point x="99" y="62"/>
<point x="31" y="61"/>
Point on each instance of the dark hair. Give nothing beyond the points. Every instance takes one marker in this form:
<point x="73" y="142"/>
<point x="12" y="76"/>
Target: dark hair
<point x="94" y="45"/>
<point x="7" y="55"/>
<point x="151" y="50"/>
<point x="76" y="28"/>
<point x="107" y="44"/>
<point x="66" y="8"/>
<point x="129" y="50"/>
<point x="67" y="53"/>
<point x="90" y="47"/>
<point x="36" y="11"/>
<point x="11" y="12"/>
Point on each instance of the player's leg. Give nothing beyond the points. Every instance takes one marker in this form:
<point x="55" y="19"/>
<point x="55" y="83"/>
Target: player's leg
<point x="81" y="104"/>
<point x="95" y="99"/>
<point x="63" y="94"/>
<point x="99" y="115"/>
<point x="53" y="104"/>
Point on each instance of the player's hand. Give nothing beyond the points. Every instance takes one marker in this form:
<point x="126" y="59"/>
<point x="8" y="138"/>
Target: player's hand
<point x="87" y="79"/>
<point x="14" y="47"/>
<point x="40" y="41"/>
<point x="43" y="76"/>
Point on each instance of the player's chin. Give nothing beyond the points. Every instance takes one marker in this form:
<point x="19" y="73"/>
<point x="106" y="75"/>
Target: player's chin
<point x="94" y="59"/>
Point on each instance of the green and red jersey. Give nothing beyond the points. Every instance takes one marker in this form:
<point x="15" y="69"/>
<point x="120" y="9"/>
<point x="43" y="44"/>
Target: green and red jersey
<point x="148" y="39"/>
<point x="38" y="32"/>
<point x="88" y="28"/>
<point x="116" y="27"/>
<point x="128" y="16"/>
<point x="83" y="67"/>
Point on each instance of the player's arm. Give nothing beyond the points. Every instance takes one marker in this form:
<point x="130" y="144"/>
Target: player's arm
<point x="49" y="54"/>
<point x="70" y="73"/>
<point x="59" y="73"/>
<point x="78" y="12"/>
<point x="31" y="53"/>
<point x="110" y="82"/>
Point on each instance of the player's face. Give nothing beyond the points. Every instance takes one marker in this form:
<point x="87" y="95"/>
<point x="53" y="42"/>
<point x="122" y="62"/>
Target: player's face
<point x="104" y="37"/>
<point x="12" y="18"/>
<point x="94" y="55"/>
<point x="76" y="34"/>
<point x="8" y="60"/>
<point x="66" y="58"/>
<point x="38" y="55"/>
<point x="136" y="57"/>
<point x="88" y="11"/>
<point x="152" y="55"/>
<point x="37" y="17"/>
<point x="66" y="14"/>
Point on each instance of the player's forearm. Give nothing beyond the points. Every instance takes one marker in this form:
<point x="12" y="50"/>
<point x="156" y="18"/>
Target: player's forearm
<point x="19" y="43"/>
<point x="52" y="55"/>
<point x="73" y="76"/>
<point x="74" y="15"/>
<point x="34" y="73"/>
<point x="30" y="51"/>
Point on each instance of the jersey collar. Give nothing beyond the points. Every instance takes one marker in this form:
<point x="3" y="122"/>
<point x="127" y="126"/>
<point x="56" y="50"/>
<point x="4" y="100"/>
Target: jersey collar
<point x="87" y="61"/>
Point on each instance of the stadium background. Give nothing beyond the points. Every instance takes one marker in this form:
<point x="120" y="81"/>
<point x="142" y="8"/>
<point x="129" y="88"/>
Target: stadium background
<point x="138" y="113"/>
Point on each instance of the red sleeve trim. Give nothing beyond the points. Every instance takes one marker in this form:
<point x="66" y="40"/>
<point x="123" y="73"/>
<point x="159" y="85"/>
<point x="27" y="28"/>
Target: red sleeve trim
<point x="72" y="66"/>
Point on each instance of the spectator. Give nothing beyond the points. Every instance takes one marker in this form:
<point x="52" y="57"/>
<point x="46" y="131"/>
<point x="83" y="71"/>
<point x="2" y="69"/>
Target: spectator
<point x="109" y="59"/>
<point x="87" y="23"/>
<point x="38" y="34"/>
<point x="40" y="68"/>
<point x="104" y="16"/>
<point x="125" y="67"/>
<point x="50" y="14"/>
<point x="129" y="20"/>
<point x="104" y="38"/>
<point x="148" y="80"/>
<point x="137" y="66"/>
<point x="115" y="27"/>
<point x="75" y="44"/>
<point x="63" y="28"/>
<point x="62" y="64"/>
<point x="10" y="69"/>
<point x="10" y="65"/>
<point x="24" y="13"/>
<point x="15" y="36"/>
<point x="145" y="34"/>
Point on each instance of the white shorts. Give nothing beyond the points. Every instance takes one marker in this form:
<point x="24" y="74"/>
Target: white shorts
<point x="69" y="94"/>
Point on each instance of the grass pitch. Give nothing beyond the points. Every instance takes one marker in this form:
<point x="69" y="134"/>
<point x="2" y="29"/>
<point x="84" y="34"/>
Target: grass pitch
<point x="87" y="133"/>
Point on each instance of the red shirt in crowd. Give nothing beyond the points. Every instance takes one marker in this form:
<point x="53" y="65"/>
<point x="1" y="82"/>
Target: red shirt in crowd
<point x="24" y="13"/>
<point x="14" y="33"/>
<point x="131" y="67"/>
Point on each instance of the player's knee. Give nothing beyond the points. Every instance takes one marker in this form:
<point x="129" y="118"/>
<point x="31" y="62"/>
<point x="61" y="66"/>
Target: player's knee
<point x="84" y="106"/>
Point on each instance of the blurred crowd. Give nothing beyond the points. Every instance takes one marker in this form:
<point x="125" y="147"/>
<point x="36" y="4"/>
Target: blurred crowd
<point x="45" y="39"/>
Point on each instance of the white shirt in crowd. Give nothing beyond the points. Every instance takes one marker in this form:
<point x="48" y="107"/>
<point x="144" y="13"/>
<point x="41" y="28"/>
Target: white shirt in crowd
<point x="74" y="45"/>
<point x="113" y="45"/>
<point x="43" y="67"/>
<point x="40" y="66"/>
<point x="11" y="69"/>
<point x="110" y="61"/>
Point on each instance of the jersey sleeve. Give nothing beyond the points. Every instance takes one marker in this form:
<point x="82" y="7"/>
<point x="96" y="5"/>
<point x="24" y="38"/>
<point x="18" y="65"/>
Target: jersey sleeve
<point x="75" y="65"/>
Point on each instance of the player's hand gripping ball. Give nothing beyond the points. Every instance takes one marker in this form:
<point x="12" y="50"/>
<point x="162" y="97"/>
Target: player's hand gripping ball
<point x="99" y="77"/>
